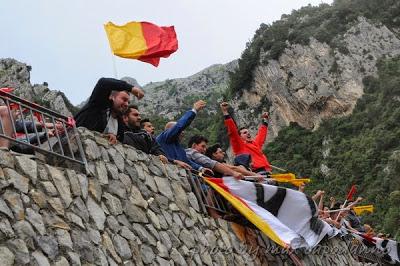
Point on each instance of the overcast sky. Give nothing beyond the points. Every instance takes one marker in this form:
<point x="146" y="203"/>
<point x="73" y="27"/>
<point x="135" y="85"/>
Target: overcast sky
<point x="65" y="42"/>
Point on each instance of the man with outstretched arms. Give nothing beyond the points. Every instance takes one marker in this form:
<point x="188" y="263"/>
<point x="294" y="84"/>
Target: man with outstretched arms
<point x="243" y="143"/>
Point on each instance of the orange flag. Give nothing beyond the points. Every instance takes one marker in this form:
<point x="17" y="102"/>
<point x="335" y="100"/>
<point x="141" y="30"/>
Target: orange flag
<point x="142" y="40"/>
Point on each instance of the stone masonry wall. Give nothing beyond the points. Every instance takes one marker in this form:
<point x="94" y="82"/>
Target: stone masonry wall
<point x="129" y="209"/>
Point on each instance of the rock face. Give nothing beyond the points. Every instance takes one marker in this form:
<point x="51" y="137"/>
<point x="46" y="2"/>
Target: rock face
<point x="167" y="98"/>
<point x="16" y="75"/>
<point x="315" y="82"/>
<point x="309" y="83"/>
<point x="144" y="214"/>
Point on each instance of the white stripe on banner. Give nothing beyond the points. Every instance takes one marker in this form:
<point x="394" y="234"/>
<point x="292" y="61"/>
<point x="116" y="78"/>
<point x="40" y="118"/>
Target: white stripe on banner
<point x="388" y="246"/>
<point x="292" y="215"/>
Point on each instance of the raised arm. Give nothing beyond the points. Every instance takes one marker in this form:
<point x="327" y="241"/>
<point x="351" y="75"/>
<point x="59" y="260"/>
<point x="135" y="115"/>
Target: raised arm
<point x="232" y="129"/>
<point x="105" y="86"/>
<point x="262" y="133"/>
<point x="354" y="203"/>
<point x="172" y="133"/>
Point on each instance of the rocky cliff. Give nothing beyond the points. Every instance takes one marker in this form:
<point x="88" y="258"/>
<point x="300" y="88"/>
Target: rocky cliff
<point x="306" y="84"/>
<point x="168" y="98"/>
<point x="127" y="209"/>
<point x="310" y="83"/>
<point x="16" y="75"/>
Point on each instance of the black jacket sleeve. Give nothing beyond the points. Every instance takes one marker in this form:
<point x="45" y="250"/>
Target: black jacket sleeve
<point x="103" y="89"/>
<point x="142" y="140"/>
<point x="156" y="148"/>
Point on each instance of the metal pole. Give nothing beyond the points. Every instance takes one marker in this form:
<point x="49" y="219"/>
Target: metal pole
<point x="46" y="132"/>
<point x="34" y="128"/>
<point x="23" y="123"/>
<point x="58" y="135"/>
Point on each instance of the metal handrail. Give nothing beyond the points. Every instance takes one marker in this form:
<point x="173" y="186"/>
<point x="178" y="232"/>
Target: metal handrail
<point x="207" y="196"/>
<point x="27" y="111"/>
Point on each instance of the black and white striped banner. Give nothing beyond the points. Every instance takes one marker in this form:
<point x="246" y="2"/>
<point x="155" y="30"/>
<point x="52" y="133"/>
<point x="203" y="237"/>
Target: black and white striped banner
<point x="387" y="246"/>
<point x="287" y="216"/>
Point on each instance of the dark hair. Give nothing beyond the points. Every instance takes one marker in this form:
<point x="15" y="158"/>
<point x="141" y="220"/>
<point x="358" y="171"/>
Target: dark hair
<point x="146" y="120"/>
<point x="337" y="205"/>
<point x="114" y="92"/>
<point x="131" y="106"/>
<point x="210" y="150"/>
<point x="196" y="139"/>
<point x="240" y="129"/>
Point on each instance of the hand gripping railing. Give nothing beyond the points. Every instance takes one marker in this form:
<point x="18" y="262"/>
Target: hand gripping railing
<point x="29" y="126"/>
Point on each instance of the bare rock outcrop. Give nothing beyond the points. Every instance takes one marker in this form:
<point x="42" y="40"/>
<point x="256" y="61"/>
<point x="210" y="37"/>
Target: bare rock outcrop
<point x="16" y="75"/>
<point x="315" y="82"/>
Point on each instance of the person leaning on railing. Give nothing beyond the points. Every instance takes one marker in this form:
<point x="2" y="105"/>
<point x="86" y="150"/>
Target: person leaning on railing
<point x="197" y="147"/>
<point x="20" y="125"/>
<point x="139" y="138"/>
<point x="105" y="107"/>
<point x="30" y="135"/>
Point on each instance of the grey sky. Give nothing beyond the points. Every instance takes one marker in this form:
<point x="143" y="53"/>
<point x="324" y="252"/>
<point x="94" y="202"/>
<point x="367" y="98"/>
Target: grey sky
<point x="65" y="43"/>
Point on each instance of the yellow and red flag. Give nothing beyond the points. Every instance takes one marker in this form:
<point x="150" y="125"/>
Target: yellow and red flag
<point x="144" y="41"/>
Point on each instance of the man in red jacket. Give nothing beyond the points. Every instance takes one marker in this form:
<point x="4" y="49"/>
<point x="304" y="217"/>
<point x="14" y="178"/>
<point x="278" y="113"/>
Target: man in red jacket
<point x="243" y="143"/>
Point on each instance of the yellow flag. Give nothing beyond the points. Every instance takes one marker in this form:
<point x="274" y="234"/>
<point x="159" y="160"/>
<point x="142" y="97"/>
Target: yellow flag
<point x="363" y="209"/>
<point x="283" y="177"/>
<point x="289" y="178"/>
<point x="299" y="181"/>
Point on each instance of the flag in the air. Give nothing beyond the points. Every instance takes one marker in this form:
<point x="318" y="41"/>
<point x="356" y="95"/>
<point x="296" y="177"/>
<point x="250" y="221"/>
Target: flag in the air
<point x="142" y="40"/>
<point x="351" y="192"/>
<point x="362" y="209"/>
<point x="286" y="216"/>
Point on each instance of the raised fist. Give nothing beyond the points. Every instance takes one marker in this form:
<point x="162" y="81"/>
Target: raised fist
<point x="265" y="115"/>
<point x="138" y="92"/>
<point x="199" y="105"/>
<point x="224" y="107"/>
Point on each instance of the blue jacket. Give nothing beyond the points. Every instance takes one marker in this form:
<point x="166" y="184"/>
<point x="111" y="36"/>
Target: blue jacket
<point x="169" y="140"/>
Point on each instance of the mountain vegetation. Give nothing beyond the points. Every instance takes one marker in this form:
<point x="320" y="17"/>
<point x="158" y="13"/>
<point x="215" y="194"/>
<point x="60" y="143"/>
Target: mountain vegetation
<point x="324" y="23"/>
<point x="359" y="146"/>
<point x="361" y="149"/>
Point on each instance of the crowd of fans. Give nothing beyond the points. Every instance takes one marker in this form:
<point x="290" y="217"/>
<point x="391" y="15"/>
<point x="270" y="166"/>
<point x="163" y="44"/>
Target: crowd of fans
<point x="108" y="111"/>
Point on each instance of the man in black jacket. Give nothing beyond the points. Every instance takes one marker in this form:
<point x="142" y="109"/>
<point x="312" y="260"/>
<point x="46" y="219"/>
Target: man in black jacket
<point x="105" y="107"/>
<point x="139" y="138"/>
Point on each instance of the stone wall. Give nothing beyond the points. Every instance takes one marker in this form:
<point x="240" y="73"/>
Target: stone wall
<point x="127" y="208"/>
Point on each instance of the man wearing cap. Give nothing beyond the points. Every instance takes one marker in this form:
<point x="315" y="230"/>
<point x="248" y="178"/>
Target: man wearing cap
<point x="105" y="107"/>
<point x="243" y="143"/>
